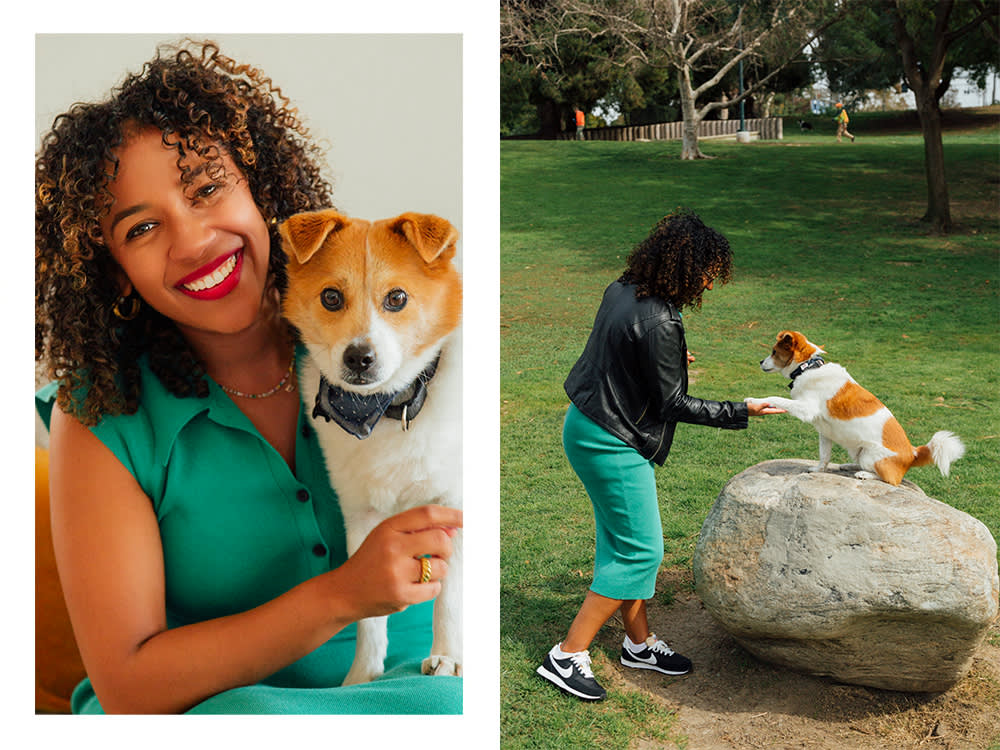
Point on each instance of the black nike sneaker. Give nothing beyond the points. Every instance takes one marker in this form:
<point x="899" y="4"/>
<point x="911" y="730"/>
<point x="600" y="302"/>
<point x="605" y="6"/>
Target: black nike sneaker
<point x="572" y="674"/>
<point x="658" y="656"/>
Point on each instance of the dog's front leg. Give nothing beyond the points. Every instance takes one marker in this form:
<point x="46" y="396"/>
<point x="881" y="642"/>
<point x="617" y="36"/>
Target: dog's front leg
<point x="446" y="650"/>
<point x="799" y="409"/>
<point x="825" y="451"/>
<point x="369" y="653"/>
<point x="373" y="638"/>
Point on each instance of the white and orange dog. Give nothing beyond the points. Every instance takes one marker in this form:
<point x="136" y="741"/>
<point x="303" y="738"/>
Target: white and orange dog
<point x="827" y="397"/>
<point x="378" y="306"/>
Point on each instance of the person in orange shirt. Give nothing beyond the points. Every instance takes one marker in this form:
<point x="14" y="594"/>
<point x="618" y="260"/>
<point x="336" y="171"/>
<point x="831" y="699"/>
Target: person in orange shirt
<point x="581" y="121"/>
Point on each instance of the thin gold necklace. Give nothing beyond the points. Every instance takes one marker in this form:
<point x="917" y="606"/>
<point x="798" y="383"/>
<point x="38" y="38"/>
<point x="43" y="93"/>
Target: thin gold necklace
<point x="281" y="383"/>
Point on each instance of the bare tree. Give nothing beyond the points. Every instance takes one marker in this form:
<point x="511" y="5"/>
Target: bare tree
<point x="702" y="41"/>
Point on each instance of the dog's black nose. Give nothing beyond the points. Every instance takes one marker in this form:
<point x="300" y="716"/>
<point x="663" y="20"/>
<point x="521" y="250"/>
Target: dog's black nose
<point x="359" y="357"/>
<point x="762" y="361"/>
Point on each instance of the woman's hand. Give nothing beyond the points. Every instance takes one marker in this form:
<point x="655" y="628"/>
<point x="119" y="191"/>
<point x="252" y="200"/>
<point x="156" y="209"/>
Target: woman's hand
<point x="759" y="410"/>
<point x="383" y="575"/>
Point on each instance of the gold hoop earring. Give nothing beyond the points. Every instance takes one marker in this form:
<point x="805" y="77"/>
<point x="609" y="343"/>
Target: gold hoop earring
<point x="133" y="310"/>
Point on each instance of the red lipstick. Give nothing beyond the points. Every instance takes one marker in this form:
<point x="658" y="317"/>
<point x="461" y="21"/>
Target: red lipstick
<point x="218" y="289"/>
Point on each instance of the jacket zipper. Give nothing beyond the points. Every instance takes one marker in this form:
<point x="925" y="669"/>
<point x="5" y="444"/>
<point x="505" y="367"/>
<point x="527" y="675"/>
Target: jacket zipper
<point x="644" y="410"/>
<point x="663" y="431"/>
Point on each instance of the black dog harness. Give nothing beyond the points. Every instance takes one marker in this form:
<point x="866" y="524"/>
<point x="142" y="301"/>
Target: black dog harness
<point x="359" y="414"/>
<point x="810" y="364"/>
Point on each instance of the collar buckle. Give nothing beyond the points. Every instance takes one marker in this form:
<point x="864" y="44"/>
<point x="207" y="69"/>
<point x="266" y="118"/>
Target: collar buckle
<point x="809" y="364"/>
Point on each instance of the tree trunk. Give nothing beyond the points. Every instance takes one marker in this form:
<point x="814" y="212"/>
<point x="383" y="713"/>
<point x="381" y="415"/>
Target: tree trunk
<point x="767" y="104"/>
<point x="549" y="117"/>
<point x="689" y="130"/>
<point x="938" y="205"/>
<point x="925" y="80"/>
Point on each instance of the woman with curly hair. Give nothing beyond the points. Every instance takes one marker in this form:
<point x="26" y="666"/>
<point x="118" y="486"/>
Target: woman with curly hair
<point x="200" y="547"/>
<point x="628" y="391"/>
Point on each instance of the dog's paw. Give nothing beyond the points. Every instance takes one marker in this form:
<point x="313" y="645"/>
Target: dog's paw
<point x="438" y="664"/>
<point x="865" y="475"/>
<point x="754" y="401"/>
<point x="359" y="675"/>
<point x="818" y="468"/>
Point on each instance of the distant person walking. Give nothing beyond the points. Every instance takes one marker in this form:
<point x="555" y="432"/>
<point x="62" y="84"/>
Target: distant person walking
<point x="581" y="121"/>
<point x="842" y="120"/>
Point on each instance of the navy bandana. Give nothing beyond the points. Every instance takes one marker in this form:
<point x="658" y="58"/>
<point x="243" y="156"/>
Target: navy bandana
<point x="359" y="414"/>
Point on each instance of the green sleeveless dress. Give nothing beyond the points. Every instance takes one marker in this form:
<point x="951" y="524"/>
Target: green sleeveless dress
<point x="238" y="529"/>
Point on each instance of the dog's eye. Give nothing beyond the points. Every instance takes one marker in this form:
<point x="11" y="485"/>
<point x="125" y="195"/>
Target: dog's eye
<point x="332" y="299"/>
<point x="395" y="300"/>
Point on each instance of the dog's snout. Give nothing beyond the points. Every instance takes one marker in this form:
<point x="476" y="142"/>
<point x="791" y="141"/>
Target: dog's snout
<point x="359" y="357"/>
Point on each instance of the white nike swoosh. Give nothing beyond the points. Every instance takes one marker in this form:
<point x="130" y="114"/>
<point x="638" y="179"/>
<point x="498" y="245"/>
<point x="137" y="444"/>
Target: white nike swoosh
<point x="651" y="659"/>
<point x="564" y="673"/>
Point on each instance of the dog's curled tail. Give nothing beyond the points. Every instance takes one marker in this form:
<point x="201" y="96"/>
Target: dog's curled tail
<point x="942" y="449"/>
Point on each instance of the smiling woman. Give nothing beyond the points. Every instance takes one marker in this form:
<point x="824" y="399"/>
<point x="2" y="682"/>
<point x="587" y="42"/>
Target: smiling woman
<point x="187" y="232"/>
<point x="196" y="584"/>
<point x="183" y="121"/>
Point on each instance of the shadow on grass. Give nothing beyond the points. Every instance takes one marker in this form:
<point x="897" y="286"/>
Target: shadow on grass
<point x="537" y="617"/>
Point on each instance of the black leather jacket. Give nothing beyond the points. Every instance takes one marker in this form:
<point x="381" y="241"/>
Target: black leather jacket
<point x="632" y="376"/>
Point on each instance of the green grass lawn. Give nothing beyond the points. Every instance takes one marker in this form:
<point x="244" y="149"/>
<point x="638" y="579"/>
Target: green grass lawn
<point x="827" y="240"/>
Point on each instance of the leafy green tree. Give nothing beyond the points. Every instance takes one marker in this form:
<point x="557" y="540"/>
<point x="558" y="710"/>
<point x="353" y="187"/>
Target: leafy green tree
<point x="555" y="69"/>
<point x="517" y="112"/>
<point x="923" y="43"/>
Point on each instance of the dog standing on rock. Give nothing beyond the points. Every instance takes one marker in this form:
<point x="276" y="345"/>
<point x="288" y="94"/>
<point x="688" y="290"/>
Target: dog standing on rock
<point x="827" y="397"/>
<point x="378" y="306"/>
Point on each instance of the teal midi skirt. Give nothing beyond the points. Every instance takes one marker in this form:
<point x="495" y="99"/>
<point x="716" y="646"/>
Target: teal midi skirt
<point x="622" y="488"/>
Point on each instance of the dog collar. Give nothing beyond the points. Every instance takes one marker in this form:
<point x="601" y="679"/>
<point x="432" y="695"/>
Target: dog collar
<point x="359" y="414"/>
<point x="810" y="364"/>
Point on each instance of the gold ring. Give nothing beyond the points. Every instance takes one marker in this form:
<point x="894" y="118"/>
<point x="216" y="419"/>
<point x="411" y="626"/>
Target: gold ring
<point x="425" y="569"/>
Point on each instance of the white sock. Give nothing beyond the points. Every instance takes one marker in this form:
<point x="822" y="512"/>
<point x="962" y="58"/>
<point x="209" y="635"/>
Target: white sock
<point x="635" y="648"/>
<point x="560" y="654"/>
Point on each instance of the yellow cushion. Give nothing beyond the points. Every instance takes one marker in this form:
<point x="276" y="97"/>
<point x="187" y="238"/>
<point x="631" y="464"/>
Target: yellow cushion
<point x="58" y="667"/>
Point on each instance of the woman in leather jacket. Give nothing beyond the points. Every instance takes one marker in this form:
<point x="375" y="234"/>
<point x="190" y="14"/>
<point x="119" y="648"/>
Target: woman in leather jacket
<point x="628" y="391"/>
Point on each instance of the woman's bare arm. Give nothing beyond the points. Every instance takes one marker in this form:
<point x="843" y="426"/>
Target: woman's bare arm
<point x="110" y="563"/>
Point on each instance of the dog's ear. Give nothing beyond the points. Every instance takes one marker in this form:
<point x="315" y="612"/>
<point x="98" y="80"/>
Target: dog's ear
<point x="786" y="338"/>
<point x="304" y="233"/>
<point x="430" y="235"/>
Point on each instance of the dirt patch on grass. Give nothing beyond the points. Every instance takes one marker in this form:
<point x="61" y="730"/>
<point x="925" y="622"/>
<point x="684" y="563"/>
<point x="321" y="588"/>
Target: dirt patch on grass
<point x="732" y="700"/>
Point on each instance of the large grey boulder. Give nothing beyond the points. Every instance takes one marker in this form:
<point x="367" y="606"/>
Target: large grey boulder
<point x="854" y="579"/>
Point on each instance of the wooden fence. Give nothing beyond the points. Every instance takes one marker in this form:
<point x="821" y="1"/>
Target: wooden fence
<point x="767" y="128"/>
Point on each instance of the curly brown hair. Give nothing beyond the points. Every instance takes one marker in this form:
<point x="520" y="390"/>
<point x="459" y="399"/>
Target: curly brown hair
<point x="204" y="103"/>
<point x="677" y="259"/>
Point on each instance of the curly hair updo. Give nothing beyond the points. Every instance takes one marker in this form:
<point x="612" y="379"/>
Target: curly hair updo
<point x="677" y="259"/>
<point x="204" y="103"/>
